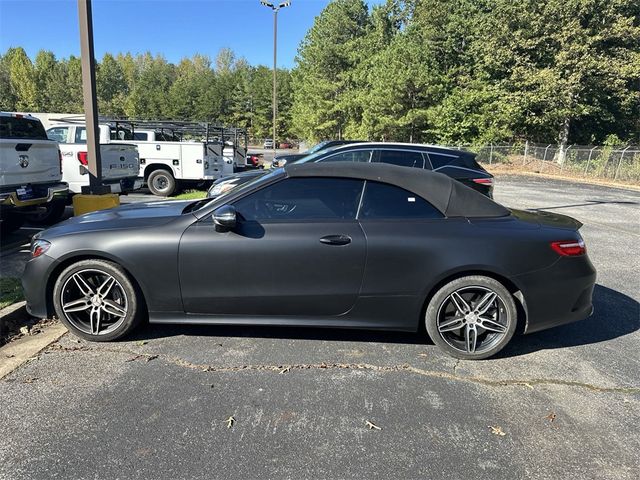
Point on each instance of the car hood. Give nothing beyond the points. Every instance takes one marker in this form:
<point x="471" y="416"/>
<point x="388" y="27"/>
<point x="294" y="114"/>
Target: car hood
<point x="130" y="216"/>
<point x="290" y="157"/>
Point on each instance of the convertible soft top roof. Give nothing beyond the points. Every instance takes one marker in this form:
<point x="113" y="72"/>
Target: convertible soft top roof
<point x="449" y="196"/>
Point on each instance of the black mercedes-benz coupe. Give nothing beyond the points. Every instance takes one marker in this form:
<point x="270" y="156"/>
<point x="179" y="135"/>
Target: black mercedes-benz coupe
<point x="458" y="164"/>
<point x="326" y="245"/>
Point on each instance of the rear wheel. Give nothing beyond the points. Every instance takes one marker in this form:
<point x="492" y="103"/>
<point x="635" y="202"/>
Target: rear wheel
<point x="161" y="183"/>
<point x="96" y="300"/>
<point x="472" y="317"/>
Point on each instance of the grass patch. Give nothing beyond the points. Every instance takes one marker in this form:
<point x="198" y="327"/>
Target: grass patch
<point x="190" y="195"/>
<point x="10" y="291"/>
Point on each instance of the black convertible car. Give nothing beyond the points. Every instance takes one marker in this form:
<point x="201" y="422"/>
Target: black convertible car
<point x="325" y="245"/>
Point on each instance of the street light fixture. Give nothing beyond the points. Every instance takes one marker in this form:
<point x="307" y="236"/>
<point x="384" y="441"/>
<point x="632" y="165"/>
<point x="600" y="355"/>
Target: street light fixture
<point x="275" y="7"/>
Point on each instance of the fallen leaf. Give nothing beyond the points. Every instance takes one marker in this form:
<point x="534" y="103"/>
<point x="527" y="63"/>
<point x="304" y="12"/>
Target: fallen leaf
<point x="142" y="342"/>
<point x="30" y="379"/>
<point x="528" y="385"/>
<point x="24" y="330"/>
<point x="285" y="370"/>
<point x="423" y="355"/>
<point x="551" y="417"/>
<point x="133" y="359"/>
<point x="372" y="426"/>
<point x="497" y="430"/>
<point x="151" y="357"/>
<point x="10" y="356"/>
<point x="230" y="421"/>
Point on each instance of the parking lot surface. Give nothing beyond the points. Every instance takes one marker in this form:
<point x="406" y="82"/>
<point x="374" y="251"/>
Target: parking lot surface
<point x="237" y="402"/>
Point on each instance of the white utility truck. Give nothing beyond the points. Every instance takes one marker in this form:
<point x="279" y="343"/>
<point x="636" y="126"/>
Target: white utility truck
<point x="30" y="173"/>
<point x="120" y="161"/>
<point x="175" y="155"/>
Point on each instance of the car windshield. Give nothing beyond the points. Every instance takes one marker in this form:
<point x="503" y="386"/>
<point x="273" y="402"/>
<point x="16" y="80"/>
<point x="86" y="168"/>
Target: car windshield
<point x="192" y="207"/>
<point x="314" y="156"/>
<point x="317" y="147"/>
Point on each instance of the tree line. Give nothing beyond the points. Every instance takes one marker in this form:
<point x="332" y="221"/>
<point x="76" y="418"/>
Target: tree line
<point x="438" y="71"/>
<point x="471" y="71"/>
<point x="226" y="90"/>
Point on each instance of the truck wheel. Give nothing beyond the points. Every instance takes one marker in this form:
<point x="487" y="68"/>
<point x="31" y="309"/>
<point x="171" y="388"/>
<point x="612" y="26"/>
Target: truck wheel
<point x="10" y="222"/>
<point x="161" y="183"/>
<point x="52" y="214"/>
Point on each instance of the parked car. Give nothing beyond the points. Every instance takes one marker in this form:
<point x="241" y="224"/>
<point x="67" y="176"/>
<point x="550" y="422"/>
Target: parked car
<point x="286" y="144"/>
<point x="324" y="245"/>
<point x="268" y="143"/>
<point x="30" y="174"/>
<point x="253" y="161"/>
<point x="283" y="159"/>
<point x="120" y="161"/>
<point x="458" y="164"/>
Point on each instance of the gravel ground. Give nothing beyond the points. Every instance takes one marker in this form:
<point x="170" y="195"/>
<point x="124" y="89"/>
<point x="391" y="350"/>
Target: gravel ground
<point x="564" y="403"/>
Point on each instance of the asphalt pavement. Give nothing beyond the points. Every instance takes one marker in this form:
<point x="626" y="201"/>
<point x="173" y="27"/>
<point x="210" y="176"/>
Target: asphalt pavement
<point x="236" y="402"/>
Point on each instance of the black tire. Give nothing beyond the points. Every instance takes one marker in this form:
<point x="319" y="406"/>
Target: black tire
<point x="452" y="328"/>
<point x="93" y="272"/>
<point x="52" y="214"/>
<point x="10" y="222"/>
<point x="161" y="183"/>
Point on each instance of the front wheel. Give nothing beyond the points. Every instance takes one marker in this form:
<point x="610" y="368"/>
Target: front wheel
<point x="161" y="183"/>
<point x="472" y="317"/>
<point x="96" y="300"/>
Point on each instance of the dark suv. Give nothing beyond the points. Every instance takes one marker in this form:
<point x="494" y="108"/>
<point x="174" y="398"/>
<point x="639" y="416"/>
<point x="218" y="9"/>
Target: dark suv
<point x="458" y="164"/>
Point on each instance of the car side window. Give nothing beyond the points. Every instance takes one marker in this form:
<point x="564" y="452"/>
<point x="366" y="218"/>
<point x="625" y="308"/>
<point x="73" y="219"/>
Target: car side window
<point x="402" y="158"/>
<point x="351" y="156"/>
<point x="303" y="199"/>
<point x="58" y="134"/>
<point x="439" y="160"/>
<point x="81" y="135"/>
<point x="384" y="201"/>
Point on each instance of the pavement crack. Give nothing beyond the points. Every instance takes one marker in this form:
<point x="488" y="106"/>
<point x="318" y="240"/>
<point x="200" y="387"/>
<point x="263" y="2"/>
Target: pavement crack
<point x="280" y="368"/>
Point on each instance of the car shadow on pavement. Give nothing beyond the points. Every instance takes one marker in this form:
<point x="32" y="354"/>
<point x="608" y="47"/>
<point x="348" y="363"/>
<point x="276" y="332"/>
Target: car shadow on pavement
<point x="615" y="315"/>
<point x="149" y="332"/>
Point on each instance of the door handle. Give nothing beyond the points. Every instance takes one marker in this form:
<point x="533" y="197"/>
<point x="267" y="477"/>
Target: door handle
<point x="336" y="240"/>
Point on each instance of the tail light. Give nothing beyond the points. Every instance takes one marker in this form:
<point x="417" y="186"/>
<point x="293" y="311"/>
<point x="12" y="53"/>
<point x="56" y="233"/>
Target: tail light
<point x="60" y="160"/>
<point x="483" y="181"/>
<point x="83" y="158"/>
<point x="569" y="248"/>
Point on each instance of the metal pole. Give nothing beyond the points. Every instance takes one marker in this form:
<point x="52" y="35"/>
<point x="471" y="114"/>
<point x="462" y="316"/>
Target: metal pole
<point x="275" y="81"/>
<point x="526" y="150"/>
<point x="615" y="177"/>
<point x="491" y="155"/>
<point x="87" y="59"/>
<point x="564" y="160"/>
<point x="589" y="160"/>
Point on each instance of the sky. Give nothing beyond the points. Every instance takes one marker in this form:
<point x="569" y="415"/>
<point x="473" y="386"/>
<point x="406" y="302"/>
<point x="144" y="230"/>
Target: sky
<point x="172" y="28"/>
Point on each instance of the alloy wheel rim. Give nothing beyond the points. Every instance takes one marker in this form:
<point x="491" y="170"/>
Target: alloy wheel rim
<point x="94" y="302"/>
<point x="473" y="319"/>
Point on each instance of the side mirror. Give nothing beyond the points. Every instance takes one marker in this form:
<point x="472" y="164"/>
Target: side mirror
<point x="225" y="217"/>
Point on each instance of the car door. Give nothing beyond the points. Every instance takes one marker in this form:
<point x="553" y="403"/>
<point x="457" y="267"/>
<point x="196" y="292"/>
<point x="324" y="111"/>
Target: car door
<point x="297" y="249"/>
<point x="406" y="236"/>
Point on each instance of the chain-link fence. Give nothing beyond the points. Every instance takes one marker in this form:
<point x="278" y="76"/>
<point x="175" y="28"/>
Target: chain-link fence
<point x="611" y="163"/>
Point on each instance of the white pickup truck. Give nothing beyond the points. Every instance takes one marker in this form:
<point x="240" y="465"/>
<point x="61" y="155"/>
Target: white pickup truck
<point x="30" y="172"/>
<point x="168" y="163"/>
<point x="120" y="161"/>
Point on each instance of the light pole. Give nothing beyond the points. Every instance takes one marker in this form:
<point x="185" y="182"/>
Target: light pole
<point x="275" y="8"/>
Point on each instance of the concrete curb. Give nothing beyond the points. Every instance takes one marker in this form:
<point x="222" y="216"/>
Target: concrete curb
<point x="15" y="310"/>
<point x="20" y="351"/>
